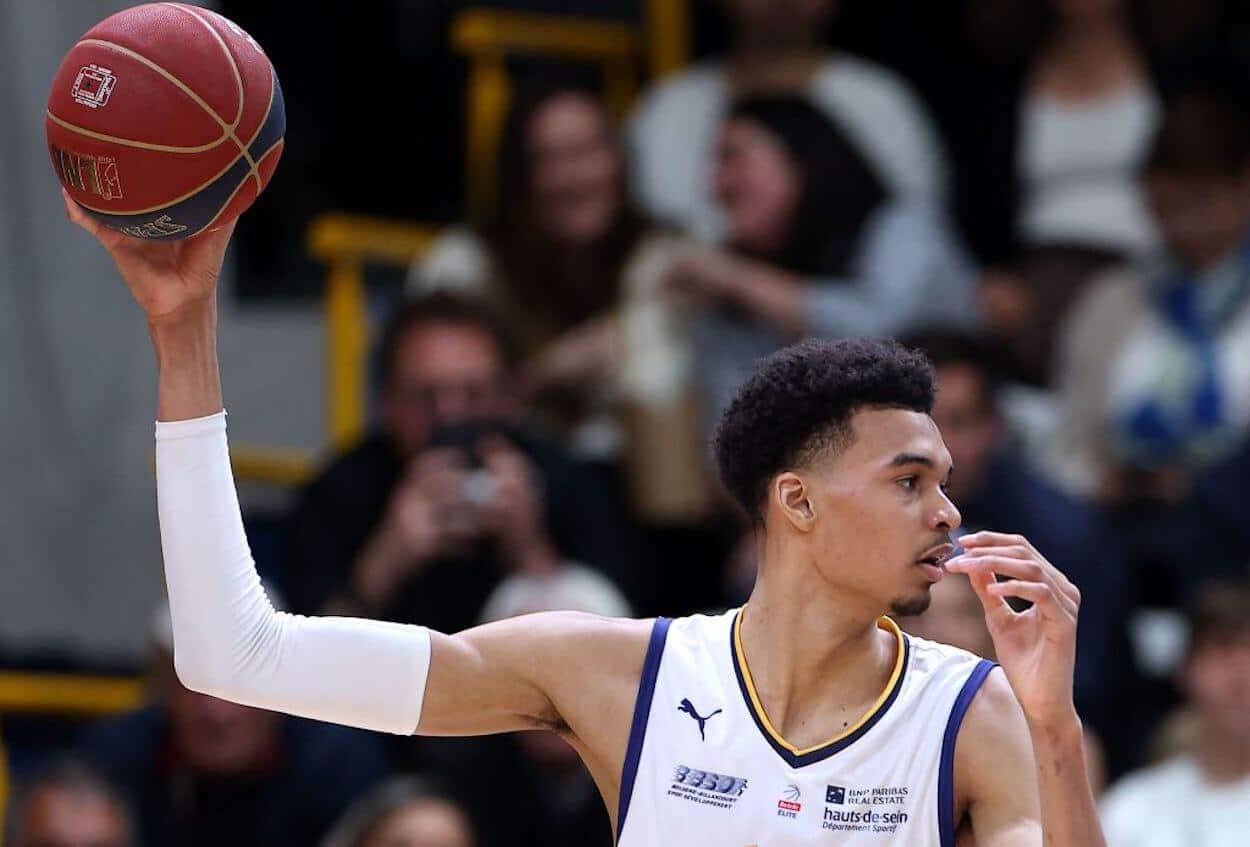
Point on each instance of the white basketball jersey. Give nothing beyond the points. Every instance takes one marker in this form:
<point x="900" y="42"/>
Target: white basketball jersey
<point x="705" y="766"/>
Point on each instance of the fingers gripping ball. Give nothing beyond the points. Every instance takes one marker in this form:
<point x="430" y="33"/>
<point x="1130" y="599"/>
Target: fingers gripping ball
<point x="165" y="120"/>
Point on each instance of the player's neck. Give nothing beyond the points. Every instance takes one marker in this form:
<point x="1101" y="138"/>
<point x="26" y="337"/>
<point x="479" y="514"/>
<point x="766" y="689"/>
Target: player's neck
<point x="800" y="638"/>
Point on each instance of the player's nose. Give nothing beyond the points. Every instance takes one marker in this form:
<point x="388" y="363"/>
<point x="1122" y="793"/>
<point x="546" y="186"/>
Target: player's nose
<point x="945" y="516"/>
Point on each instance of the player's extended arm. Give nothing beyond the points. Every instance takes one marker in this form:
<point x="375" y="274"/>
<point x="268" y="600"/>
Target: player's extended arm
<point x="228" y="639"/>
<point x="1021" y="754"/>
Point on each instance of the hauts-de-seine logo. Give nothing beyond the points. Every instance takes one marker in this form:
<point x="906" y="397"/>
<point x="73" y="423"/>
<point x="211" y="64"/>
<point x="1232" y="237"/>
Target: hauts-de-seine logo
<point x="706" y="788"/>
<point x="789" y="806"/>
<point x="865" y="809"/>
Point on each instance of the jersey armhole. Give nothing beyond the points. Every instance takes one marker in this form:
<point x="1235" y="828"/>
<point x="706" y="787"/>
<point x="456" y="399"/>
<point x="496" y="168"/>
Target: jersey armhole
<point x="642" y="710"/>
<point x="946" y="764"/>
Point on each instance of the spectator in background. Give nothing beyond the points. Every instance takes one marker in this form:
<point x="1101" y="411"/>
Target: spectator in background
<point x="814" y="246"/>
<point x="777" y="47"/>
<point x="994" y="488"/>
<point x="574" y="268"/>
<point x="422" y="520"/>
<point x="404" y="812"/>
<point x="67" y="804"/>
<point x="1154" y="365"/>
<point x="1200" y="798"/>
<point x="1087" y="115"/>
<point x="1024" y="304"/>
<point x="203" y="772"/>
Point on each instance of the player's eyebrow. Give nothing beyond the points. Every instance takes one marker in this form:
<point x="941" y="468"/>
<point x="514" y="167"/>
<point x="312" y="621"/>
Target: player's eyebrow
<point x="912" y="459"/>
<point x="903" y="459"/>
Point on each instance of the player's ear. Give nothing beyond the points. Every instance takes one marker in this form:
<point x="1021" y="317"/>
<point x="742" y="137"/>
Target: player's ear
<point x="792" y="496"/>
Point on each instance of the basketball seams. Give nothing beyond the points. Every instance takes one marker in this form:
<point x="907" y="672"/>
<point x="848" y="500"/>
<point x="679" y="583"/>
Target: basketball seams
<point x="127" y="142"/>
<point x="234" y="66"/>
<point x="254" y="170"/>
<point x="178" y="83"/>
<point x="236" y="191"/>
<point x="247" y="76"/>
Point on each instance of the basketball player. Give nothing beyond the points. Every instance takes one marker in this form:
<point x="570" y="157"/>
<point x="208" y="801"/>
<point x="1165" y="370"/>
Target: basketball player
<point x="806" y="717"/>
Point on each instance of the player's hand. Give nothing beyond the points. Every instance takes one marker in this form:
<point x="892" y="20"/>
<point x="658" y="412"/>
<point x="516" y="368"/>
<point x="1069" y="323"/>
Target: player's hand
<point x="167" y="278"/>
<point x="1036" y="647"/>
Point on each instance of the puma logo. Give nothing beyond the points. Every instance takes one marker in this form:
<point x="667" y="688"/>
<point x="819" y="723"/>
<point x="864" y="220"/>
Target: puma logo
<point x="688" y="707"/>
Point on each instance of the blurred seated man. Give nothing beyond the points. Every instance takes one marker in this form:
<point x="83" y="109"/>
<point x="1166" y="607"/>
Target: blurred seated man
<point x="204" y="772"/>
<point x="1200" y="798"/>
<point x="403" y="812"/>
<point x="994" y="486"/>
<point x="776" y="47"/>
<point x="67" y="804"/>
<point x="422" y="519"/>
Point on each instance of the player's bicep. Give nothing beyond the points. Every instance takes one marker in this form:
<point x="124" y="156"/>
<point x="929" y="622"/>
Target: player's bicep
<point x="994" y="765"/>
<point x="517" y="673"/>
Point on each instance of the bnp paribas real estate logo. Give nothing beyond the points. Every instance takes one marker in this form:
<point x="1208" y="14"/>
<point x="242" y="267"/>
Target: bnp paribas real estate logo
<point x="835" y="795"/>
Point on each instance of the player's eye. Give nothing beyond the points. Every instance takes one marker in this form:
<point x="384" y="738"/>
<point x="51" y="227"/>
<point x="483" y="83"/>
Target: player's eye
<point x="908" y="482"/>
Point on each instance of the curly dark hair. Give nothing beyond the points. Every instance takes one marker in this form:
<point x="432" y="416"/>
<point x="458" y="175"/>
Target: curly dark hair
<point x="799" y="402"/>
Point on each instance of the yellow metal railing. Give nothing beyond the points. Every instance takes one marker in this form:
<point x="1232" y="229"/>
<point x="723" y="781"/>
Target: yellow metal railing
<point x="668" y="35"/>
<point x="346" y="244"/>
<point x="73" y="694"/>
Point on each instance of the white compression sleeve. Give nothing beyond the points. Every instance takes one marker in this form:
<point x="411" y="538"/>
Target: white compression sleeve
<point x="228" y="639"/>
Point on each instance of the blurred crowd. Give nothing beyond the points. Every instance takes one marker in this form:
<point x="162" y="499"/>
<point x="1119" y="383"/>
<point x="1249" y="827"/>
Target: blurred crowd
<point x="1061" y="220"/>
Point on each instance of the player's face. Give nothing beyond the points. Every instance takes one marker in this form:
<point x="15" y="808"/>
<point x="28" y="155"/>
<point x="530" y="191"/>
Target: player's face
<point x="757" y="186"/>
<point x="575" y="169"/>
<point x="444" y="374"/>
<point x="881" y="509"/>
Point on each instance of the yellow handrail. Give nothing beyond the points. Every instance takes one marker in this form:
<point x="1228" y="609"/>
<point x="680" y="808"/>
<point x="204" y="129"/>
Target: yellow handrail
<point x="61" y="693"/>
<point x="668" y="35"/>
<point x="346" y="244"/>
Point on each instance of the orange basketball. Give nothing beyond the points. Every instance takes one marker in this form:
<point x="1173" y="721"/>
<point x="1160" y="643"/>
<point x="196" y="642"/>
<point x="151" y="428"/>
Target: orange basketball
<point x="165" y="120"/>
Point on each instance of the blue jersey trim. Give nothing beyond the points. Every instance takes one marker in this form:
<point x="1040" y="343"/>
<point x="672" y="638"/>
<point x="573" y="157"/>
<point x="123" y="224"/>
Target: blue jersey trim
<point x="642" y="710"/>
<point x="946" y="765"/>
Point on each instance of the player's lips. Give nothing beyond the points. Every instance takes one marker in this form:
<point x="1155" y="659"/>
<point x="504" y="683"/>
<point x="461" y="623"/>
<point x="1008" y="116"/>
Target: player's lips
<point x="933" y="559"/>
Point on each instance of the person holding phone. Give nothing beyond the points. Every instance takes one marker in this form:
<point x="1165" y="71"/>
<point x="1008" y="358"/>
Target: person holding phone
<point x="421" y="520"/>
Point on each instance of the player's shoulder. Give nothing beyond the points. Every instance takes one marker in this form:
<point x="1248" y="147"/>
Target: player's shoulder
<point x="940" y="661"/>
<point x="588" y="642"/>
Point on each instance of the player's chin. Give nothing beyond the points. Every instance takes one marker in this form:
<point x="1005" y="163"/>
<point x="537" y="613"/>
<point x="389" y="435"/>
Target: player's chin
<point x="911" y="604"/>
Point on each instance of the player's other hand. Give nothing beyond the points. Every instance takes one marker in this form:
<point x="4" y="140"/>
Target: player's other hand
<point x="167" y="278"/>
<point x="1036" y="647"/>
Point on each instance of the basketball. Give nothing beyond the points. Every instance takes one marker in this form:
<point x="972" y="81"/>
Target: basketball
<point x="165" y="120"/>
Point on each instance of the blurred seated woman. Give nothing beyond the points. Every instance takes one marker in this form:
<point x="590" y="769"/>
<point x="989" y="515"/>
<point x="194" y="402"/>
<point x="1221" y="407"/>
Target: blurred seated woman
<point x="405" y="812"/>
<point x="577" y="271"/>
<point x="815" y="246"/>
